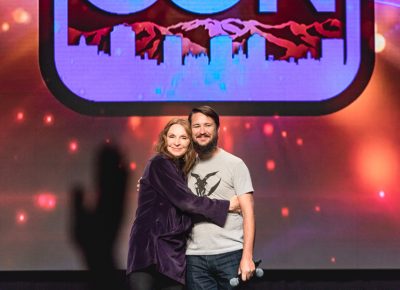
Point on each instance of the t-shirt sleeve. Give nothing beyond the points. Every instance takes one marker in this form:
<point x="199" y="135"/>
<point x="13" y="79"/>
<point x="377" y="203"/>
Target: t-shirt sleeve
<point x="241" y="179"/>
<point x="166" y="180"/>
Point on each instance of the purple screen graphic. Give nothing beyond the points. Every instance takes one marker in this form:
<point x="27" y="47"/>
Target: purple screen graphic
<point x="211" y="58"/>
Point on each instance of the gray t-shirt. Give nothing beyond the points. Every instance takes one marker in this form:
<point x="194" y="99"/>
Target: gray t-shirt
<point x="220" y="177"/>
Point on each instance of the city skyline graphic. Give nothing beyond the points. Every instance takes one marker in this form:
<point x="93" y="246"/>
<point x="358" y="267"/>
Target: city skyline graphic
<point x="290" y="39"/>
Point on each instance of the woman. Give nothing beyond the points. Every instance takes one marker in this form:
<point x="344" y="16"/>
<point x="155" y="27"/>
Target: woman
<point x="156" y="257"/>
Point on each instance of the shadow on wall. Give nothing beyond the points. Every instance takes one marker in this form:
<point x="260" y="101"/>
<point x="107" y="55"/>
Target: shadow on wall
<point x="94" y="230"/>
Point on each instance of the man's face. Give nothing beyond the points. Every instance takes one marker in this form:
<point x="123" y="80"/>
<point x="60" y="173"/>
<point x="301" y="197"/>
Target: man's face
<point x="204" y="132"/>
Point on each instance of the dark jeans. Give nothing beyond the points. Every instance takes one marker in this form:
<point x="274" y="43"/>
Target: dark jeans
<point x="212" y="272"/>
<point x="150" y="279"/>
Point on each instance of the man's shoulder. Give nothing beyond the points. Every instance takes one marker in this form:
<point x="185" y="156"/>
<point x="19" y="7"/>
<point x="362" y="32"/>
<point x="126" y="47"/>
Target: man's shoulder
<point x="229" y="156"/>
<point x="221" y="159"/>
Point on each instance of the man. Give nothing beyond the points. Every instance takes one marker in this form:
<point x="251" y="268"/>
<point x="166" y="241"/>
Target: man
<point x="215" y="254"/>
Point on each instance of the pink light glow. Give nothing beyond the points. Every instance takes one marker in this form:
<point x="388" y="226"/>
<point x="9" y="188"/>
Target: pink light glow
<point x="284" y="134"/>
<point x="333" y="260"/>
<point x="21" y="16"/>
<point x="48" y="119"/>
<point x="21" y="217"/>
<point x="134" y="123"/>
<point x="132" y="166"/>
<point x="380" y="42"/>
<point x="247" y="125"/>
<point x="5" y="27"/>
<point x="20" y="116"/>
<point x="299" y="141"/>
<point x="73" y="146"/>
<point x="270" y="165"/>
<point x="46" y="201"/>
<point x="317" y="208"/>
<point x="285" y="212"/>
<point x="382" y="194"/>
<point x="376" y="164"/>
<point x="268" y="129"/>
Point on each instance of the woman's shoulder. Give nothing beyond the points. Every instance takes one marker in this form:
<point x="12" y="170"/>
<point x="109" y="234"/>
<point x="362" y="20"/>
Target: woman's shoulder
<point x="159" y="157"/>
<point x="160" y="164"/>
<point x="159" y="160"/>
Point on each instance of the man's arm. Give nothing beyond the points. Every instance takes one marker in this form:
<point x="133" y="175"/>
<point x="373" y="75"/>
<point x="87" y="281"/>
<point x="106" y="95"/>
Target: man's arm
<point x="247" y="267"/>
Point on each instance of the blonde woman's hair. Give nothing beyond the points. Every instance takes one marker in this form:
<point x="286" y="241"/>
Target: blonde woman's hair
<point x="189" y="158"/>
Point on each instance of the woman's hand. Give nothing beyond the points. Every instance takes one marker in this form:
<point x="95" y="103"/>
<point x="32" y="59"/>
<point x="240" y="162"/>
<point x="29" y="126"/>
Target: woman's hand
<point x="234" y="205"/>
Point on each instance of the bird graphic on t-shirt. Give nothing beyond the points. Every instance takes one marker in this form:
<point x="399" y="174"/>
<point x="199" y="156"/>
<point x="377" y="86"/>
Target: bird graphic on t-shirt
<point x="202" y="183"/>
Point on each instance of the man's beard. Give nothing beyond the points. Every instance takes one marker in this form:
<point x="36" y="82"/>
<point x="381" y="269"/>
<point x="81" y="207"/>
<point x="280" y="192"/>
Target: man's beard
<point x="208" y="148"/>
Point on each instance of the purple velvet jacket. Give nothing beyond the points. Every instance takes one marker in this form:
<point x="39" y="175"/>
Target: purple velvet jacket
<point x="159" y="233"/>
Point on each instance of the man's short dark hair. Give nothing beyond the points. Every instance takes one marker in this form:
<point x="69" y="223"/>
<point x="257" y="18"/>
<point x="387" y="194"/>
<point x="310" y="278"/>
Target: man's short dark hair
<point x="205" y="110"/>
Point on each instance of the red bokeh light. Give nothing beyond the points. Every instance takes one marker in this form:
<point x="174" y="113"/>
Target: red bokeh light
<point x="5" y="27"/>
<point x="333" y="260"/>
<point x="73" y="146"/>
<point x="299" y="141"/>
<point x="376" y="163"/>
<point x="268" y="129"/>
<point x="21" y="217"/>
<point x="20" y="116"/>
<point x="46" y="201"/>
<point x="382" y="194"/>
<point x="247" y="125"/>
<point x="48" y="119"/>
<point x="135" y="126"/>
<point x="132" y="166"/>
<point x="21" y="16"/>
<point x="317" y="208"/>
<point x="270" y="165"/>
<point x="284" y="134"/>
<point x="285" y="212"/>
<point x="134" y="122"/>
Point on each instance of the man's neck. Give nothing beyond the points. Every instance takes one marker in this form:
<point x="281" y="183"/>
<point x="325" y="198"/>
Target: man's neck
<point x="209" y="155"/>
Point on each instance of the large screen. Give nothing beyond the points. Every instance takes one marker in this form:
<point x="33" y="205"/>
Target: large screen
<point x="129" y="57"/>
<point x="326" y="187"/>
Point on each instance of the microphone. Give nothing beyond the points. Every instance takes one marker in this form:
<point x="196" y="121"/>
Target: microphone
<point x="234" y="282"/>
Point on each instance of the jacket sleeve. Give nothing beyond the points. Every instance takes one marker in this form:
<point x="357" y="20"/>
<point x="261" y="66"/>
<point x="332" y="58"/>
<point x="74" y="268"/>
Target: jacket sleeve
<point x="166" y="180"/>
